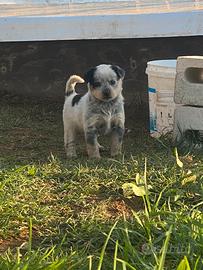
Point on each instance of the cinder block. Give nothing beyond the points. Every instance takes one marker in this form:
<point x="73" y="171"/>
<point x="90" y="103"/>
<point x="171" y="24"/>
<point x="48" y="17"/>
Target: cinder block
<point x="187" y="118"/>
<point x="189" y="80"/>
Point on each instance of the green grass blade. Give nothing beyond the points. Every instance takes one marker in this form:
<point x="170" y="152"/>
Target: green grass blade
<point x="30" y="236"/>
<point x="137" y="218"/>
<point x="18" y="255"/>
<point x="126" y="264"/>
<point x="47" y="254"/>
<point x="178" y="161"/>
<point x="56" y="265"/>
<point x="90" y="262"/>
<point x="104" y="247"/>
<point x="196" y="263"/>
<point x="164" y="249"/>
<point x="115" y="256"/>
<point x="184" y="264"/>
<point x="159" y="198"/>
<point x="25" y="267"/>
<point x="146" y="187"/>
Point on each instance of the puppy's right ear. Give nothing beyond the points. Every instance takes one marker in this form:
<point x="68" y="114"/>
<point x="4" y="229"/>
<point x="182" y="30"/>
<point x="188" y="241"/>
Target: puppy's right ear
<point x="89" y="76"/>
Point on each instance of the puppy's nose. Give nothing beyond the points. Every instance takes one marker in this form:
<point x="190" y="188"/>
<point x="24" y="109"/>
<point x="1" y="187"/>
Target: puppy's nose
<point x="106" y="92"/>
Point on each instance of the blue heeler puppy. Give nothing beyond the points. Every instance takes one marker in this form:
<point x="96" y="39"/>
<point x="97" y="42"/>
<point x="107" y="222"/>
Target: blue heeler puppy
<point x="99" y="111"/>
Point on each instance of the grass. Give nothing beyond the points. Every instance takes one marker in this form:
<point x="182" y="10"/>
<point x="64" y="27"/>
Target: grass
<point x="140" y="211"/>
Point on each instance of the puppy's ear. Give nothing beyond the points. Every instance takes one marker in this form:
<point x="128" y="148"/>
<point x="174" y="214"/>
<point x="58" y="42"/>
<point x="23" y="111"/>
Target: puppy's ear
<point x="119" y="71"/>
<point x="89" y="76"/>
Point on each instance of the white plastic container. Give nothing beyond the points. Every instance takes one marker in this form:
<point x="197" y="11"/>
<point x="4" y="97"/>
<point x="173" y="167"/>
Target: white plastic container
<point x="161" y="85"/>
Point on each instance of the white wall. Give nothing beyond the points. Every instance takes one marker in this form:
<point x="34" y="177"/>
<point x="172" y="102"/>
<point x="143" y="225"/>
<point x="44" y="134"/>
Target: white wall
<point x="57" y="1"/>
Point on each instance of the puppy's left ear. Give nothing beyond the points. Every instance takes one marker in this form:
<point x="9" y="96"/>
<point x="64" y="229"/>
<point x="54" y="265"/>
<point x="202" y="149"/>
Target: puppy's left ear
<point x="119" y="71"/>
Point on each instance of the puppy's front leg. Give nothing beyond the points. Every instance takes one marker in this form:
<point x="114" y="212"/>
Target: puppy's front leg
<point x="116" y="140"/>
<point x="92" y="144"/>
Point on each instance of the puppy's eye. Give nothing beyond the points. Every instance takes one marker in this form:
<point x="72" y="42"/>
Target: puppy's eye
<point x="96" y="84"/>
<point x="112" y="82"/>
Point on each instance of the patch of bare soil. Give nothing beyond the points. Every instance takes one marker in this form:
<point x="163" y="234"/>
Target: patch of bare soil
<point x="114" y="208"/>
<point x="19" y="241"/>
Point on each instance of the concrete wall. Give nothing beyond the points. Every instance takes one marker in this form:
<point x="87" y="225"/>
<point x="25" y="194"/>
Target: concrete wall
<point x="40" y="69"/>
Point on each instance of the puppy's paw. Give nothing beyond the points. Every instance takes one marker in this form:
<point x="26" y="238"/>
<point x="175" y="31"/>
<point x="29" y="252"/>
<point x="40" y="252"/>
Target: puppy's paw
<point x="94" y="157"/>
<point x="93" y="151"/>
<point x="115" y="153"/>
<point x="71" y="155"/>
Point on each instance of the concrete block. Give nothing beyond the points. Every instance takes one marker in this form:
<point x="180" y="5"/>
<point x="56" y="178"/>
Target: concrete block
<point x="187" y="118"/>
<point x="189" y="80"/>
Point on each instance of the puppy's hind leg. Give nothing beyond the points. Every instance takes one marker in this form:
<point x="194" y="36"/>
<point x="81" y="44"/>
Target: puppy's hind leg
<point x="69" y="141"/>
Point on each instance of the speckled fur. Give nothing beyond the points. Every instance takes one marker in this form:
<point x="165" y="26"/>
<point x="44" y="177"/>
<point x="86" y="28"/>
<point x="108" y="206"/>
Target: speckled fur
<point x="99" y="111"/>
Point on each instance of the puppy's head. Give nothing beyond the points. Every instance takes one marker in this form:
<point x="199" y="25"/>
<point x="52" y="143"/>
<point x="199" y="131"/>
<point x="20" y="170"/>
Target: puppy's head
<point x="105" y="81"/>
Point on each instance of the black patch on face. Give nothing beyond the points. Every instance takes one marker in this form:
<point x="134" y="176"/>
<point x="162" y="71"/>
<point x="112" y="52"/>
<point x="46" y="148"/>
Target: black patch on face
<point x="76" y="100"/>
<point x="119" y="71"/>
<point x="96" y="84"/>
<point x="89" y="76"/>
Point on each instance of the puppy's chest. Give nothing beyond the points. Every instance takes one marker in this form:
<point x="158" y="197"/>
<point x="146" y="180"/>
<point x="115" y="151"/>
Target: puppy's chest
<point x="103" y="117"/>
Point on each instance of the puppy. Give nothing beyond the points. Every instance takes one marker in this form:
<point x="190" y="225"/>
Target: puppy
<point x="99" y="111"/>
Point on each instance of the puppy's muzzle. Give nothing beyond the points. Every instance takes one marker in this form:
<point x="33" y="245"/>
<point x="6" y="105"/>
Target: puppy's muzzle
<point x="106" y="93"/>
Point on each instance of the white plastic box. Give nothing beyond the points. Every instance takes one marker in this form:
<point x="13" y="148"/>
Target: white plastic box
<point x="161" y="85"/>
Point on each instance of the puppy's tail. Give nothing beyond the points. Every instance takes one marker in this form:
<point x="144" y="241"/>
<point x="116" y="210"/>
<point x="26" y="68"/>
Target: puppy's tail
<point x="70" y="85"/>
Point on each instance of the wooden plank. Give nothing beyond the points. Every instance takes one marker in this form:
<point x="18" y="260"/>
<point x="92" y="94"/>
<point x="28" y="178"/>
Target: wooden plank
<point x="101" y="20"/>
<point x="101" y="27"/>
<point x="98" y="8"/>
